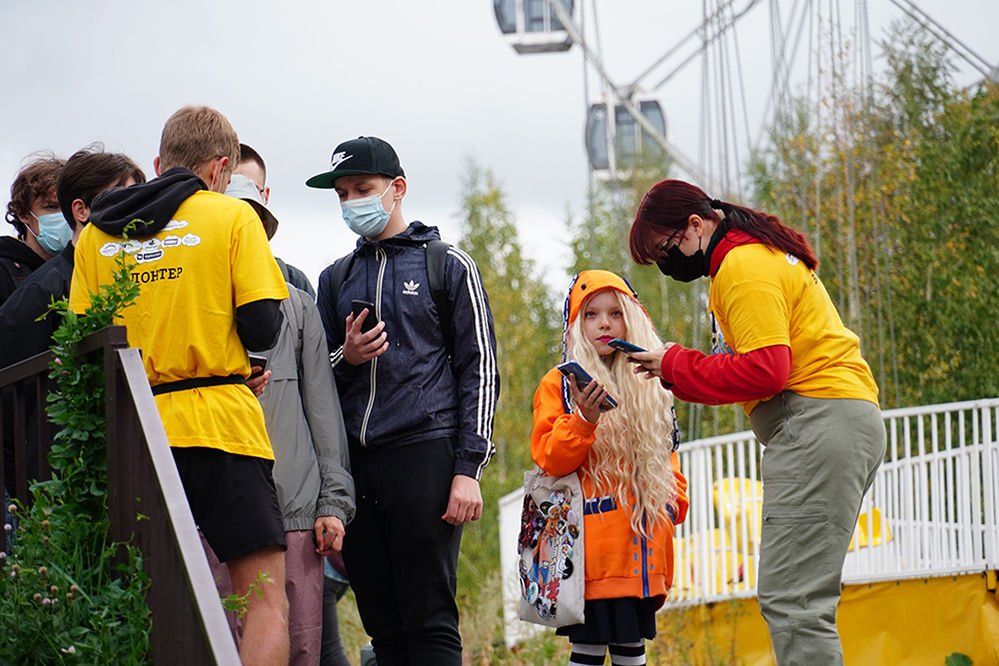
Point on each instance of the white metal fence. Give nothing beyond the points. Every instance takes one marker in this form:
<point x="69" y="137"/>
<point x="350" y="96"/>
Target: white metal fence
<point x="932" y="509"/>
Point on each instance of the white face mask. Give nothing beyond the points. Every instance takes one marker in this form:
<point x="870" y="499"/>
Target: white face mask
<point x="54" y="233"/>
<point x="367" y="216"/>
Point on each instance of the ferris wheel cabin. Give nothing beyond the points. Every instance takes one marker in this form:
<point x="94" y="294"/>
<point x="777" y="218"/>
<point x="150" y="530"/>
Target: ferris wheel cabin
<point x="530" y="26"/>
<point x="615" y="140"/>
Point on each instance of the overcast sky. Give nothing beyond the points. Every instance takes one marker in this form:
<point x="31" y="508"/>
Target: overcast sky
<point x="435" y="78"/>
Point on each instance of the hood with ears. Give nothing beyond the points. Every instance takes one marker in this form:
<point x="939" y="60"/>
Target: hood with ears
<point x="583" y="285"/>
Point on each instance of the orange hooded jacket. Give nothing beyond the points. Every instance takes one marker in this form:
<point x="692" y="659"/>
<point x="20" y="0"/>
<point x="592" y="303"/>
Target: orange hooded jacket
<point x="619" y="562"/>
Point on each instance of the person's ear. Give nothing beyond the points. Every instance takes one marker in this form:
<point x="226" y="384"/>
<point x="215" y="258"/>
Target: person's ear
<point x="219" y="167"/>
<point x="81" y="211"/>
<point x="399" y="185"/>
<point x="695" y="222"/>
<point x="220" y="177"/>
<point x="156" y="165"/>
<point x="266" y="194"/>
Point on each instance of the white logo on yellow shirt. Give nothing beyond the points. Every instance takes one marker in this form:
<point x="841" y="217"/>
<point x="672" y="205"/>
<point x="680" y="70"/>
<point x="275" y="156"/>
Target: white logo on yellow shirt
<point x="791" y="259"/>
<point x="152" y="249"/>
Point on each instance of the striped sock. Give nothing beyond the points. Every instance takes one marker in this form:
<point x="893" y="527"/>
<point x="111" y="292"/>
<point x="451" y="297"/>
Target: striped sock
<point x="585" y="654"/>
<point x="627" y="654"/>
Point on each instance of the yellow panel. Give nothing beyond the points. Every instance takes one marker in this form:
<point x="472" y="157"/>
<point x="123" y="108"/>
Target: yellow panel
<point x="907" y="622"/>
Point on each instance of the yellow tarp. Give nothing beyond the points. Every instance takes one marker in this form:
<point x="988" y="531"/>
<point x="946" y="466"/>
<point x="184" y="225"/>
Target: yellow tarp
<point x="909" y="622"/>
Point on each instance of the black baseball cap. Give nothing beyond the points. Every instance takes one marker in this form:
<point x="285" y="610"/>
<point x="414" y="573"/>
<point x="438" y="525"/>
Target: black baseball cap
<point x="363" y="156"/>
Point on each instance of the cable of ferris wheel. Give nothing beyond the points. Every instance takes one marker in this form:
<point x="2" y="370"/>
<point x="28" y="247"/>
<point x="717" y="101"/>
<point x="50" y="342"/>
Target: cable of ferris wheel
<point x="705" y="43"/>
<point x="742" y="92"/>
<point x="683" y="40"/>
<point x="780" y="90"/>
<point x="926" y="21"/>
<point x="681" y="160"/>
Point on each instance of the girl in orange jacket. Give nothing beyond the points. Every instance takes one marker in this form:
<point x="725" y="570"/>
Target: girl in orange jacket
<point x="626" y="461"/>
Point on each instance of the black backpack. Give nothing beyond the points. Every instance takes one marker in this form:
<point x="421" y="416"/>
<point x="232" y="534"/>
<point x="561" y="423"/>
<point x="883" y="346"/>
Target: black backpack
<point x="436" y="258"/>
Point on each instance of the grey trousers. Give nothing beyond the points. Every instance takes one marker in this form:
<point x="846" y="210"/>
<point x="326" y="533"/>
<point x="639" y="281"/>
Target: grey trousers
<point x="820" y="457"/>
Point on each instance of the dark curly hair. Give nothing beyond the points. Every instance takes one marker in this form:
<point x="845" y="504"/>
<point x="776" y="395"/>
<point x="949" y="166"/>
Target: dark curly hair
<point x="36" y="180"/>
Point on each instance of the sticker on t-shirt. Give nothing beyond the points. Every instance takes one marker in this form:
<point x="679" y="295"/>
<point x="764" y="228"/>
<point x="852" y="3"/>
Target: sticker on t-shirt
<point x="791" y="259"/>
<point x="152" y="249"/>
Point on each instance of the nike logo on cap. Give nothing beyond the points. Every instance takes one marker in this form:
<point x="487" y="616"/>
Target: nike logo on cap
<point x="337" y="159"/>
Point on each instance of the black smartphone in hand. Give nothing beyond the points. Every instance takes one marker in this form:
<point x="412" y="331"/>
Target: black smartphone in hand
<point x="358" y="306"/>
<point x="624" y="345"/>
<point x="257" y="360"/>
<point x="583" y="379"/>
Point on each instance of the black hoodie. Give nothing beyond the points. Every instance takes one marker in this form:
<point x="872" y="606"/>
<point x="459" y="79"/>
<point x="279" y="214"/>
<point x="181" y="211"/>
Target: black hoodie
<point x="17" y="261"/>
<point x="149" y="205"/>
<point x="143" y="210"/>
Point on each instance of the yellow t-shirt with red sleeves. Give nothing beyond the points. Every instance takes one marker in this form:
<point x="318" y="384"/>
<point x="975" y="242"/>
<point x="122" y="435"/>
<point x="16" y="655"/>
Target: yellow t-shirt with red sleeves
<point x="211" y="258"/>
<point x="762" y="297"/>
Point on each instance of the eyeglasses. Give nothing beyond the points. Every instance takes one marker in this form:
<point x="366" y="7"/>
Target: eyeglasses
<point x="665" y="245"/>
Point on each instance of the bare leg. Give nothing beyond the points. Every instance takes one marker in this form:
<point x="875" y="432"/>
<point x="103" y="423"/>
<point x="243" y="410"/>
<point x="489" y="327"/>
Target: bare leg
<point x="265" y="625"/>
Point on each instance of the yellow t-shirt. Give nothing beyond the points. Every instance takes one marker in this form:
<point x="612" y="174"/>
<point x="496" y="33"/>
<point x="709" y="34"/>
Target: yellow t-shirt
<point x="761" y="297"/>
<point x="211" y="258"/>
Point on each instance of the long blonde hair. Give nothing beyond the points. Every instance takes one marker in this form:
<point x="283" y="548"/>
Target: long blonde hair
<point x="635" y="440"/>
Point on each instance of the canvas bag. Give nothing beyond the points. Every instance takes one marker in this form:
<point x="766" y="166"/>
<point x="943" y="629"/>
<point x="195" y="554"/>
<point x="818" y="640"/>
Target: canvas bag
<point x="550" y="550"/>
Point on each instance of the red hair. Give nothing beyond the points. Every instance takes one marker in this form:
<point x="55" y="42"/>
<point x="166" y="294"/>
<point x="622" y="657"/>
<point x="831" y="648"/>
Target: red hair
<point x="667" y="207"/>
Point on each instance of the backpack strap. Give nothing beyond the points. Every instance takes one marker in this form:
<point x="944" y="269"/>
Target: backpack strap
<point x="437" y="278"/>
<point x="341" y="268"/>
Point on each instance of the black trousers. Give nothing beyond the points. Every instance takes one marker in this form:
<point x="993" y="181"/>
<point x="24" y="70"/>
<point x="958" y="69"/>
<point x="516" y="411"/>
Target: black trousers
<point x="401" y="558"/>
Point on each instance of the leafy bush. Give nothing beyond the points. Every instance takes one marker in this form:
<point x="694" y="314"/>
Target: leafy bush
<point x="69" y="594"/>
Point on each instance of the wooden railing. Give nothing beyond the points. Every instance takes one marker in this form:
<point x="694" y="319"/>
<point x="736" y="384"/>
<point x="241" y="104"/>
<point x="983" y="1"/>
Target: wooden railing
<point x="189" y="625"/>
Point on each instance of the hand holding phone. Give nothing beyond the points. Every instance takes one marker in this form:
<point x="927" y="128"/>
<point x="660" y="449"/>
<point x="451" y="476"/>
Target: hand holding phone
<point x="624" y="345"/>
<point x="583" y="379"/>
<point x="256" y="360"/>
<point x="358" y="306"/>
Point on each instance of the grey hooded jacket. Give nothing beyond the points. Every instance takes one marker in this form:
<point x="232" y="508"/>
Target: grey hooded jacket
<point x="304" y="422"/>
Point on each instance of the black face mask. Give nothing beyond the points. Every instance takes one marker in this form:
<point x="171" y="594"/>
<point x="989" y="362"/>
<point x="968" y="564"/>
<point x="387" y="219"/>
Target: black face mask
<point x="680" y="267"/>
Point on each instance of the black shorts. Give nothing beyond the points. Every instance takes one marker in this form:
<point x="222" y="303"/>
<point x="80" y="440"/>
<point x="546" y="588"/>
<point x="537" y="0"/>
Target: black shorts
<point x="233" y="500"/>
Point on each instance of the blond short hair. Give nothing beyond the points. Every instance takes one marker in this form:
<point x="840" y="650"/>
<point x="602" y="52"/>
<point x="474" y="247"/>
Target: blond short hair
<point x="194" y="135"/>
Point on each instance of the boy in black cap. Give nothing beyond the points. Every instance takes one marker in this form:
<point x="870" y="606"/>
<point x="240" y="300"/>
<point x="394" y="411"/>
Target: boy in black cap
<point x="418" y="391"/>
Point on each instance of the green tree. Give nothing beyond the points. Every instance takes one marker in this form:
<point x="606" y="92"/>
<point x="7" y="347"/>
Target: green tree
<point x="528" y="334"/>
<point x="895" y="187"/>
<point x="946" y="227"/>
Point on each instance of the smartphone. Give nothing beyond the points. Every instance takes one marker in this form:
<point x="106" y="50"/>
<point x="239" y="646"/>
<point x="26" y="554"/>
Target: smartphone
<point x="624" y="345"/>
<point x="582" y="379"/>
<point x="257" y="359"/>
<point x="357" y="307"/>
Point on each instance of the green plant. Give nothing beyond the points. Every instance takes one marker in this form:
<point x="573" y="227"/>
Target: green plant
<point x="69" y="593"/>
<point x="237" y="602"/>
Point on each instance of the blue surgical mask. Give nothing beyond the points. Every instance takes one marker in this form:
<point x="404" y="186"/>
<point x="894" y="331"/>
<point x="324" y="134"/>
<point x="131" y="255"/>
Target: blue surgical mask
<point x="366" y="216"/>
<point x="54" y="233"/>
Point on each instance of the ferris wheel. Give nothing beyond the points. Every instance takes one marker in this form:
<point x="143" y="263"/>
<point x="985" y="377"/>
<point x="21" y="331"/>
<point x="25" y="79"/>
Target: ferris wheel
<point x="625" y="115"/>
